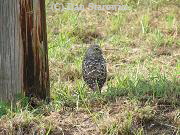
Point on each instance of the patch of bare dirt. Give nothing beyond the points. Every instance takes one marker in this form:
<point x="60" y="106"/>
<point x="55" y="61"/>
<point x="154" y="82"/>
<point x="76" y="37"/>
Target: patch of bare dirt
<point x="128" y="116"/>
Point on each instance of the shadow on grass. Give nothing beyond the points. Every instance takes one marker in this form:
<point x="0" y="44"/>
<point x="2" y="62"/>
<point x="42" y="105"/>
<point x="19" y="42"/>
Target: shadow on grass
<point x="157" y="87"/>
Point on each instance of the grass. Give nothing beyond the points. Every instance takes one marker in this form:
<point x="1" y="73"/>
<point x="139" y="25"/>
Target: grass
<point x="141" y="96"/>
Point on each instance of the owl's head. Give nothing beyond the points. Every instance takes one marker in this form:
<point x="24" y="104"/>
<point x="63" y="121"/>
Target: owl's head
<point x="94" y="50"/>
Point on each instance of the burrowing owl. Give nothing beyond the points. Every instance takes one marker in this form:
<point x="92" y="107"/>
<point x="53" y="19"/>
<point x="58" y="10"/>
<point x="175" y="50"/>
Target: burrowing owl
<point x="94" y="68"/>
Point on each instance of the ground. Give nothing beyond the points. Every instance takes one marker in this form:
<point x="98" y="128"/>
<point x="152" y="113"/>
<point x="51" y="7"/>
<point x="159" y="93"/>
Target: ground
<point x="141" y="96"/>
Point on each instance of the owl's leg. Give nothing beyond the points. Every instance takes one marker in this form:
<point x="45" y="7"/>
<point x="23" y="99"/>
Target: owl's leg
<point x="97" y="86"/>
<point x="94" y="86"/>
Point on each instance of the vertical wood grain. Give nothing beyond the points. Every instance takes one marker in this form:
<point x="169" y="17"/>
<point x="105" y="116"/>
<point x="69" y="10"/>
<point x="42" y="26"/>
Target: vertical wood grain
<point x="33" y="27"/>
<point x="23" y="49"/>
<point x="10" y="50"/>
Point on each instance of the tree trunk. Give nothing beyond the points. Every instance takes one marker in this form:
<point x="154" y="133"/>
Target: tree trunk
<point x="23" y="49"/>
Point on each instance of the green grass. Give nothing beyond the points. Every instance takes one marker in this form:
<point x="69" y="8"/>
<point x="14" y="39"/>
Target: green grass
<point x="142" y="49"/>
<point x="3" y="108"/>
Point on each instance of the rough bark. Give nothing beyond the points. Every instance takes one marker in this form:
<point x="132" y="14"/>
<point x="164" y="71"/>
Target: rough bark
<point x="23" y="49"/>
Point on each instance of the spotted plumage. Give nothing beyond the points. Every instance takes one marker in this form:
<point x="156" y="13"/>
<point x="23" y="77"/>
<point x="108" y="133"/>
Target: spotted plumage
<point x="94" y="68"/>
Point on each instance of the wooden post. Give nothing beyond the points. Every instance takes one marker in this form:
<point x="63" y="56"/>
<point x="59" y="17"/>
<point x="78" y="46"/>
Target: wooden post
<point x="23" y="49"/>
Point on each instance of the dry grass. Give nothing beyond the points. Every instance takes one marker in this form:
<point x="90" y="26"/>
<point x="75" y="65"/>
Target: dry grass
<point x="141" y="96"/>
